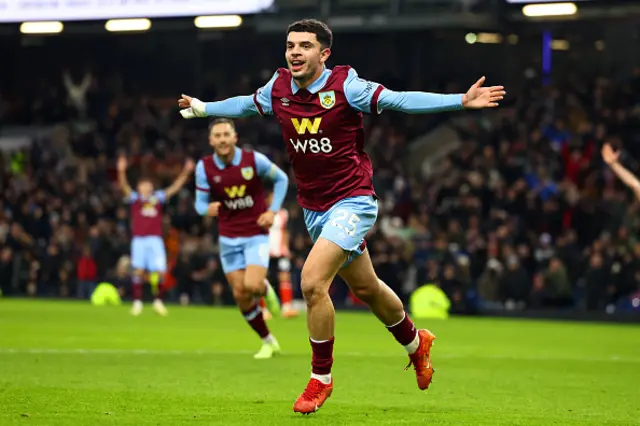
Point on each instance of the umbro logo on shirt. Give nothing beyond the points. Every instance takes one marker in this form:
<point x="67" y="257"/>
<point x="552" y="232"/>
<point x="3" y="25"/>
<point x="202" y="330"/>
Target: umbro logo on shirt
<point x="285" y="101"/>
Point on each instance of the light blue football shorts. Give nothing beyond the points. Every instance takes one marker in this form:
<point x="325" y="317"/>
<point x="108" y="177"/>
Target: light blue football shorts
<point x="346" y="223"/>
<point x="148" y="254"/>
<point x="237" y="253"/>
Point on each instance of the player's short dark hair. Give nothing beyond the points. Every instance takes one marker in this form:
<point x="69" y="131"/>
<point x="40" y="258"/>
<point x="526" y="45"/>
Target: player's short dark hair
<point x="222" y="120"/>
<point x="320" y="29"/>
<point x="146" y="178"/>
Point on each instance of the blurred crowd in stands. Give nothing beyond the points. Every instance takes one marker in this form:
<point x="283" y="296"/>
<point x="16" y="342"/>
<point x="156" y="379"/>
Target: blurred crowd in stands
<point x="523" y="215"/>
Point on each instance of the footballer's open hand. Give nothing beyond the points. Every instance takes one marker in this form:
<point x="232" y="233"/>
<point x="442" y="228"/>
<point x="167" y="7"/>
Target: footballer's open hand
<point x="191" y="107"/>
<point x="478" y="97"/>
<point x="609" y="155"/>
<point x="214" y="209"/>
<point x="266" y="219"/>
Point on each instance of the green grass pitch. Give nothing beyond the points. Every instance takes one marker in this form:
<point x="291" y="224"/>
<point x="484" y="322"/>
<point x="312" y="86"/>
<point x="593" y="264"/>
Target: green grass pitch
<point x="64" y="363"/>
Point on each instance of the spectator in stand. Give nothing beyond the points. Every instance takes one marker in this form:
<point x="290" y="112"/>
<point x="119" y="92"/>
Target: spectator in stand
<point x="87" y="274"/>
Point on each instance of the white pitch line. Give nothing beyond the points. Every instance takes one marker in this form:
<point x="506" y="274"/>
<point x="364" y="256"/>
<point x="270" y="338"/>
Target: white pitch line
<point x="81" y="351"/>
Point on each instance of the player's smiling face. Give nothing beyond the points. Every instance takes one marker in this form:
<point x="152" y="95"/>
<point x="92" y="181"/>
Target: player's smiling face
<point x="223" y="138"/>
<point x="305" y="57"/>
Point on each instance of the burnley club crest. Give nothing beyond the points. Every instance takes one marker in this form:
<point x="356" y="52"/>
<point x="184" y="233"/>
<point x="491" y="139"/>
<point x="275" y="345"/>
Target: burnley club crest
<point x="247" y="173"/>
<point x="327" y="99"/>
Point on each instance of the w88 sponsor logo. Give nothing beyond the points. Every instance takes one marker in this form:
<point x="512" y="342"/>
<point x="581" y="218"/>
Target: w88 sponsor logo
<point x="313" y="146"/>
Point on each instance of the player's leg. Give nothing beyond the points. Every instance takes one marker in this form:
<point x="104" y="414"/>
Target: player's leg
<point x="232" y="259"/>
<point x="256" y="255"/>
<point x="323" y="263"/>
<point x="257" y="258"/>
<point x="157" y="267"/>
<point x="137" y="278"/>
<point x="336" y="233"/>
<point x="387" y="306"/>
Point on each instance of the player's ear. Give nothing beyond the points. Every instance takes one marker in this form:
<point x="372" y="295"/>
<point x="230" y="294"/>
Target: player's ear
<point x="324" y="54"/>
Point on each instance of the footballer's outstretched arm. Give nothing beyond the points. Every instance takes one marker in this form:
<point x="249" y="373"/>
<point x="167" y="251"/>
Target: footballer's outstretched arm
<point x="238" y="106"/>
<point x="367" y="96"/>
<point x="180" y="180"/>
<point x="122" y="176"/>
<point x="266" y="169"/>
<point x="612" y="157"/>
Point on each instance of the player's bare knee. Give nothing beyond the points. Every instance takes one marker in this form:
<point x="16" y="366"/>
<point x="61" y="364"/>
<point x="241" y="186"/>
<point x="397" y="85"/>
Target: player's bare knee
<point x="254" y="287"/>
<point x="313" y="289"/>
<point x="239" y="294"/>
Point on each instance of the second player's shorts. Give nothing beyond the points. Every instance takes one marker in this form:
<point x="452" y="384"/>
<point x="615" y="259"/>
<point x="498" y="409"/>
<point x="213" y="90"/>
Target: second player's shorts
<point x="148" y="253"/>
<point x="346" y="223"/>
<point x="237" y="253"/>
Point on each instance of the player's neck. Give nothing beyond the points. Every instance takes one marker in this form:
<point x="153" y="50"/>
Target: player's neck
<point x="227" y="159"/>
<point x="303" y="84"/>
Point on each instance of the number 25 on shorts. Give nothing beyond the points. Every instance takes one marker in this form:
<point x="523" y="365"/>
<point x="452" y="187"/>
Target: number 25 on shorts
<point x="339" y="220"/>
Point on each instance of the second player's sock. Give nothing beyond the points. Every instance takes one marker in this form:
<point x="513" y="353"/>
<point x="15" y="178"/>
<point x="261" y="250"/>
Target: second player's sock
<point x="255" y="319"/>
<point x="136" y="287"/>
<point x="406" y="334"/>
<point x="162" y="290"/>
<point x="322" y="360"/>
<point x="268" y="339"/>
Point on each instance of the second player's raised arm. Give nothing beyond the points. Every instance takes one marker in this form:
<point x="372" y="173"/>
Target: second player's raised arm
<point x="180" y="180"/>
<point x="266" y="169"/>
<point x="202" y="190"/>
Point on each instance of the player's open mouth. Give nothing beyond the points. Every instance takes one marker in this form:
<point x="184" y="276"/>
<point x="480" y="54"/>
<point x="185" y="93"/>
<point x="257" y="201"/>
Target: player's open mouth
<point x="296" y="65"/>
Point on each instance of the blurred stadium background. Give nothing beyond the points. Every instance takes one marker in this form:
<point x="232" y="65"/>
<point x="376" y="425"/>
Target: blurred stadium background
<point x="511" y="212"/>
<point x="507" y="210"/>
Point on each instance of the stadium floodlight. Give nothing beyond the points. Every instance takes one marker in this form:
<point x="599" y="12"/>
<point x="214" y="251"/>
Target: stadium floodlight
<point x="560" y="45"/>
<point x="218" y="21"/>
<point x="41" y="27"/>
<point x="114" y="25"/>
<point x="549" y="9"/>
<point x="489" y="38"/>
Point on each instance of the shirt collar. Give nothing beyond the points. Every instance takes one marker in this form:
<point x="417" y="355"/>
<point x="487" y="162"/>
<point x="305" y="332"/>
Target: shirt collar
<point x="237" y="156"/>
<point x="315" y="86"/>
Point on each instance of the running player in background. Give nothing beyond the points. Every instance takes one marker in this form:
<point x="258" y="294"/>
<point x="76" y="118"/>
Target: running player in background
<point x="233" y="178"/>
<point x="281" y="259"/>
<point x="612" y="158"/>
<point x="147" y="247"/>
<point x="320" y="112"/>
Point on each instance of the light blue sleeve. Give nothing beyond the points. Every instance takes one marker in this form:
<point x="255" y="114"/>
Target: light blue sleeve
<point x="418" y="102"/>
<point x="359" y="92"/>
<point x="202" y="190"/>
<point x="263" y="96"/>
<point x="244" y="106"/>
<point x="132" y="198"/>
<point x="161" y="195"/>
<point x="360" y="95"/>
<point x="239" y="106"/>
<point x="266" y="169"/>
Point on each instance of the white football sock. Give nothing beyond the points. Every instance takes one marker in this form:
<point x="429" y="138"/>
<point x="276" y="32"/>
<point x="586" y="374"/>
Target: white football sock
<point x="323" y="378"/>
<point x="269" y="339"/>
<point x="413" y="346"/>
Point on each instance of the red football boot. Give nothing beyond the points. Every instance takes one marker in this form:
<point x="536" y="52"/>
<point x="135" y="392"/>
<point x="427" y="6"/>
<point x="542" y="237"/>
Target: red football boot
<point x="314" y="395"/>
<point x="421" y="359"/>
